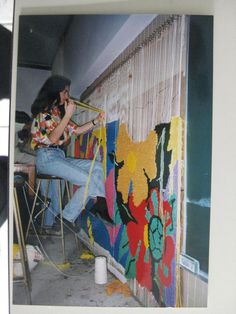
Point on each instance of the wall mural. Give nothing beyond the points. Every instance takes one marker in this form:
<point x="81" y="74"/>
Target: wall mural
<point x="142" y="191"/>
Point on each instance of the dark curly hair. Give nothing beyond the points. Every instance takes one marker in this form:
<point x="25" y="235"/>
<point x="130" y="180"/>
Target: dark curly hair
<point x="49" y="94"/>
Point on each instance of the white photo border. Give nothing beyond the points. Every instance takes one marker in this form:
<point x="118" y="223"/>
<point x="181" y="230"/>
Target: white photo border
<point x="221" y="289"/>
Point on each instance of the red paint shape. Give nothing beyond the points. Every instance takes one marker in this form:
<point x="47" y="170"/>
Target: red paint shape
<point x="166" y="262"/>
<point x="143" y="274"/>
<point x="75" y="188"/>
<point x="110" y="192"/>
<point x="135" y="231"/>
<point x="76" y="149"/>
<point x="89" y="154"/>
<point x="167" y="213"/>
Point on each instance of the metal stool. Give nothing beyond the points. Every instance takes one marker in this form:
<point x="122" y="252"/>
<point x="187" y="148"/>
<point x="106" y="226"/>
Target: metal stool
<point x="19" y="183"/>
<point x="41" y="177"/>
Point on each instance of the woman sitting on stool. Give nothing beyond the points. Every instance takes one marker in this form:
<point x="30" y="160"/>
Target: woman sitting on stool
<point x="51" y="128"/>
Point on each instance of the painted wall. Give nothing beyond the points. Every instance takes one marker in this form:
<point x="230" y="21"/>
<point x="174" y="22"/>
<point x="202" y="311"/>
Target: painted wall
<point x="141" y="153"/>
<point x="144" y="238"/>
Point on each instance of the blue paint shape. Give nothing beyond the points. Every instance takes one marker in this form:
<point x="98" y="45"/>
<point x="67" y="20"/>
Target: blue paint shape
<point x="124" y="258"/>
<point x="99" y="230"/>
<point x="85" y="140"/>
<point x="112" y="131"/>
<point x="116" y="249"/>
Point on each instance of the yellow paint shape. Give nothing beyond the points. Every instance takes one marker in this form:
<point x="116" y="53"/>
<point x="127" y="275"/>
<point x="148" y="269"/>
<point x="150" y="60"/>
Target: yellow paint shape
<point x="87" y="255"/>
<point x="136" y="157"/>
<point x="145" y="236"/>
<point x="174" y="145"/>
<point x="90" y="232"/>
<point x="100" y="134"/>
<point x="131" y="162"/>
<point x="175" y="138"/>
<point x="63" y="266"/>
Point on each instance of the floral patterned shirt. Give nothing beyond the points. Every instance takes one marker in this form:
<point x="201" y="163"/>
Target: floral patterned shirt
<point x="44" y="123"/>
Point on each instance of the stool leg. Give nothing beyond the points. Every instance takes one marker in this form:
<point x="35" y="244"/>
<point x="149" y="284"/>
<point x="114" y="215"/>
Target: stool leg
<point x="61" y="220"/>
<point x="32" y="210"/>
<point x="45" y="202"/>
<point x="23" y="253"/>
<point x="67" y="190"/>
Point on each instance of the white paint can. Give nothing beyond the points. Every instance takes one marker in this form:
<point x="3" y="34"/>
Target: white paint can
<point x="100" y="275"/>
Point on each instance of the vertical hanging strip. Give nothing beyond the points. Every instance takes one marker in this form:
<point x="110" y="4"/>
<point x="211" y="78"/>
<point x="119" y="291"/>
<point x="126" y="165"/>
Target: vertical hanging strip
<point x="91" y="108"/>
<point x="142" y="90"/>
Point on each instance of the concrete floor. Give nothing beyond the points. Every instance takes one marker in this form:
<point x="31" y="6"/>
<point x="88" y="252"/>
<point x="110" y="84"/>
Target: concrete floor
<point x="75" y="286"/>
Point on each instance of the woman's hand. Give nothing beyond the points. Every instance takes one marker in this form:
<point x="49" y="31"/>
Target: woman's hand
<point x="100" y="117"/>
<point x="69" y="108"/>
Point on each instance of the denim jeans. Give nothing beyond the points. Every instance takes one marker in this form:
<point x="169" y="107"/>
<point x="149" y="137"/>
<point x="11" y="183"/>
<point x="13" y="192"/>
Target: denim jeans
<point x="52" y="161"/>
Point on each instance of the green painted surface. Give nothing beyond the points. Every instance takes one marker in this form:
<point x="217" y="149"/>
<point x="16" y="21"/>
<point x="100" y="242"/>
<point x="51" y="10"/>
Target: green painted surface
<point x="199" y="137"/>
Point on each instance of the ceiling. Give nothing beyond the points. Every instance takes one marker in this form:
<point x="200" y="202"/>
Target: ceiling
<point x="39" y="39"/>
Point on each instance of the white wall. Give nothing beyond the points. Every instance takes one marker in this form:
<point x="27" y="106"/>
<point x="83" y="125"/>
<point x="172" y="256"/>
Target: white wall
<point x="29" y="81"/>
<point x="86" y="39"/>
<point x="91" y="44"/>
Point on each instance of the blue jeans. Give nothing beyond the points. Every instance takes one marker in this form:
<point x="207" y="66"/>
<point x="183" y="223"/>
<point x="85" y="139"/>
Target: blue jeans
<point x="52" y="161"/>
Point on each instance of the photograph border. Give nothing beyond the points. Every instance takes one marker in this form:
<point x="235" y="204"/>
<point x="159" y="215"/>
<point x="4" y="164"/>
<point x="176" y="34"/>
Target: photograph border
<point x="223" y="160"/>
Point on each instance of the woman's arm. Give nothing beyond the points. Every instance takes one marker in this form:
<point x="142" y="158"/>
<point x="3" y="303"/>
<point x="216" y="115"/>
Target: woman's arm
<point x="89" y="125"/>
<point x="55" y="135"/>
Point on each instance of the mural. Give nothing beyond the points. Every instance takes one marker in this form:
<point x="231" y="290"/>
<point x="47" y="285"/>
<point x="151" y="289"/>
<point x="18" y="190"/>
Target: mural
<point x="142" y="191"/>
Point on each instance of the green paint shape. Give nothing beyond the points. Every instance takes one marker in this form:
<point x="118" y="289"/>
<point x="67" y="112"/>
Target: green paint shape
<point x="131" y="263"/>
<point x="148" y="215"/>
<point x="155" y="237"/>
<point x="155" y="268"/>
<point x="124" y="244"/>
<point x="165" y="271"/>
<point x="155" y="202"/>
<point x="171" y="228"/>
<point x="130" y="268"/>
<point x="146" y="256"/>
<point x="117" y="215"/>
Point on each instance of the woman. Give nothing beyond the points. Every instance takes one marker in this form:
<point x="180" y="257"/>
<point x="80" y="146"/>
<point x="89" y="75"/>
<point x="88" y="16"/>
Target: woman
<point x="51" y="130"/>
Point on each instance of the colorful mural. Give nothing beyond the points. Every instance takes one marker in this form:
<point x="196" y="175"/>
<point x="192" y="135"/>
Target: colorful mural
<point x="142" y="191"/>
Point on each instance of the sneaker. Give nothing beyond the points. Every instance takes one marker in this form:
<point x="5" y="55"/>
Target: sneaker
<point x="51" y="230"/>
<point x="101" y="211"/>
<point x="71" y="226"/>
